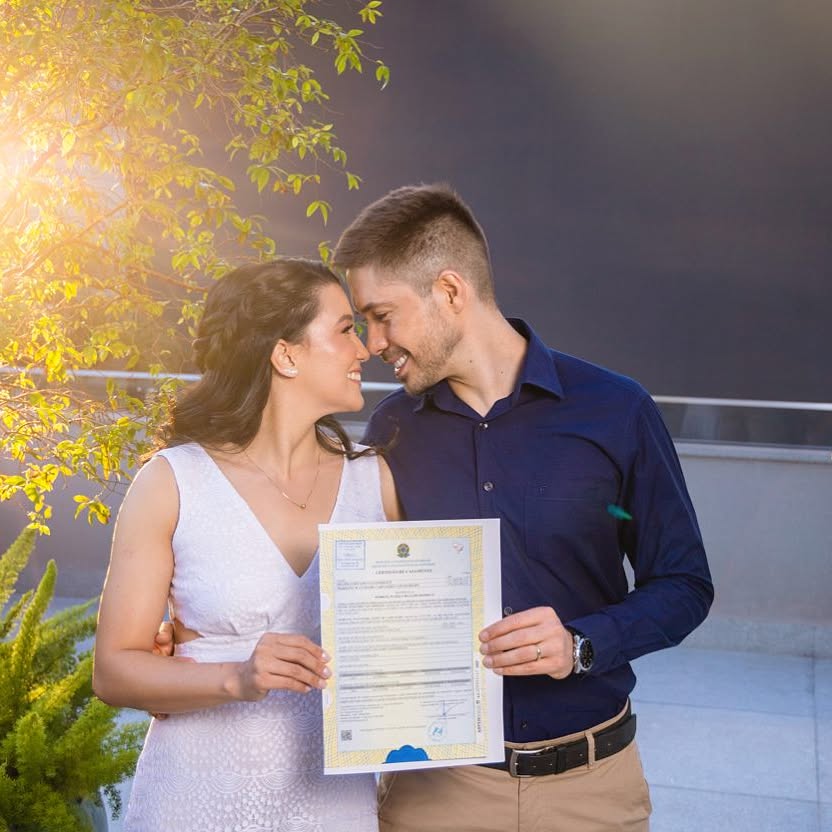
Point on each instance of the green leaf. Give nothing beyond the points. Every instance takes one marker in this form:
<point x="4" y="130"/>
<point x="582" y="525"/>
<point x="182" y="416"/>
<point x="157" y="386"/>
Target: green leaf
<point x="260" y="177"/>
<point x="383" y="74"/>
<point x="320" y="206"/>
<point x="114" y="221"/>
<point x="370" y="13"/>
<point x="25" y="642"/>
<point x="13" y="561"/>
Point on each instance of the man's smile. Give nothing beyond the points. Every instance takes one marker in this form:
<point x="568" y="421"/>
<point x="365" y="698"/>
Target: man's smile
<point x="399" y="363"/>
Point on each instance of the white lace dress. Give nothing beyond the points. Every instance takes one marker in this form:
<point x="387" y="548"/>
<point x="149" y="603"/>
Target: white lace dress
<point x="246" y="766"/>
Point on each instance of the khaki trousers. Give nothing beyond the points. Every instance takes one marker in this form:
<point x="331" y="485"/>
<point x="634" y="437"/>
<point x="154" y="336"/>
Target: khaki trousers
<point x="608" y="795"/>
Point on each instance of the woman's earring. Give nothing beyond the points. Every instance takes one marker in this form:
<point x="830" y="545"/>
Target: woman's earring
<point x="291" y="372"/>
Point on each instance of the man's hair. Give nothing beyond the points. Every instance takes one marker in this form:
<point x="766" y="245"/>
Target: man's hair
<point x="414" y="233"/>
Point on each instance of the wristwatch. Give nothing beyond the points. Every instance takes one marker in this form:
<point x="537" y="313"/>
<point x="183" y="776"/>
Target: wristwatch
<point x="582" y="654"/>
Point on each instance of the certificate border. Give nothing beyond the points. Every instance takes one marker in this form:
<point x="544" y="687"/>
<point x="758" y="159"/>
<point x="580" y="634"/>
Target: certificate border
<point x="374" y="759"/>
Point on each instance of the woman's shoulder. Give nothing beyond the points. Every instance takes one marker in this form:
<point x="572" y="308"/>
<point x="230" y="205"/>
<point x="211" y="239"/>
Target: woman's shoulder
<point x="361" y="461"/>
<point x="185" y="450"/>
<point x="372" y="470"/>
<point x="187" y="461"/>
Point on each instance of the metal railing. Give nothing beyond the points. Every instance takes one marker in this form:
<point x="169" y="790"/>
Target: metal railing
<point x="691" y="418"/>
<point x="125" y="375"/>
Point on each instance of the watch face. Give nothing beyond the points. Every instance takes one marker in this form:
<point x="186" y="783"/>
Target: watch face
<point x="585" y="653"/>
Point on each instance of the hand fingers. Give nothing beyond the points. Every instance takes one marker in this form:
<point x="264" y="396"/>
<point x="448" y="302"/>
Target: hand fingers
<point x="278" y="641"/>
<point x="163" y="640"/>
<point x="550" y="657"/>
<point x="517" y="638"/>
<point x="271" y="660"/>
<point x="520" y="620"/>
<point x="524" y="654"/>
<point x="549" y="667"/>
<point x="165" y="632"/>
<point x="290" y="662"/>
<point x="283" y="674"/>
<point x="542" y="648"/>
<point x="280" y="675"/>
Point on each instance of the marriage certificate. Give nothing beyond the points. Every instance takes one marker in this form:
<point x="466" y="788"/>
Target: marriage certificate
<point x="401" y="608"/>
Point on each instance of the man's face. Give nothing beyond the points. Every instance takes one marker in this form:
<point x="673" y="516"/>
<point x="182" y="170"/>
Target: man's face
<point x="404" y="328"/>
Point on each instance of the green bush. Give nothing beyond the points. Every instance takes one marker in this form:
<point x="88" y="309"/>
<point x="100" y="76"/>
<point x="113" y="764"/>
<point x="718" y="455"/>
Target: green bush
<point x="59" y="744"/>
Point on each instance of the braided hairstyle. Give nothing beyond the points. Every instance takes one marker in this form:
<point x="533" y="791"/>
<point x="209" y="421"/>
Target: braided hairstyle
<point x="246" y="313"/>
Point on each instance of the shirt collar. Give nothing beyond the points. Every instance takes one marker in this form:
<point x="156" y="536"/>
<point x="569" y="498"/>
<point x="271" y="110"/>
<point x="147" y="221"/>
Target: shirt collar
<point x="539" y="365"/>
<point x="538" y="370"/>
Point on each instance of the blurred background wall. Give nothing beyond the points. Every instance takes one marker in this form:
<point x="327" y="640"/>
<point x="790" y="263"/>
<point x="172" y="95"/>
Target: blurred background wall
<point x="655" y="180"/>
<point x="654" y="176"/>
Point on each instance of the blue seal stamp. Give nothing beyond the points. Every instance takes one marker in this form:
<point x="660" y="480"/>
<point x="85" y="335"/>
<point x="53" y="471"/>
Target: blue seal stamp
<point x="437" y="729"/>
<point x="406" y="754"/>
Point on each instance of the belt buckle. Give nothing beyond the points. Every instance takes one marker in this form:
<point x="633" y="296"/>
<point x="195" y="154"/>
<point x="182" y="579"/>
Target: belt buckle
<point x="516" y="753"/>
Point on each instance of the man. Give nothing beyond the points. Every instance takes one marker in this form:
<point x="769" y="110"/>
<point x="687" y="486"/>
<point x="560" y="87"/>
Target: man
<point x="578" y="466"/>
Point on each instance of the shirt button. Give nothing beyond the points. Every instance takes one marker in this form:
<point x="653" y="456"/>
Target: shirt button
<point x="483" y="425"/>
<point x="488" y="486"/>
<point x="507" y="610"/>
<point x="524" y="725"/>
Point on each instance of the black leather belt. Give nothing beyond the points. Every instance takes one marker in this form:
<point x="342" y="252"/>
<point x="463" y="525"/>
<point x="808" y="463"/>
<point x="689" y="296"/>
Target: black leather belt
<point x="555" y="759"/>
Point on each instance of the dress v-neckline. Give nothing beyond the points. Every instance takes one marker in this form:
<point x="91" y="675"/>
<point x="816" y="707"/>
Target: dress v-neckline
<point x="259" y="523"/>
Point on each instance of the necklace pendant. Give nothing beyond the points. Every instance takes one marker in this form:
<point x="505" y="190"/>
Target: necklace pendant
<point x="301" y="506"/>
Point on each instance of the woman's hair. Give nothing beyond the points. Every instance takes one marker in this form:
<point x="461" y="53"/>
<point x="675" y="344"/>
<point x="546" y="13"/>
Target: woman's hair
<point x="246" y="313"/>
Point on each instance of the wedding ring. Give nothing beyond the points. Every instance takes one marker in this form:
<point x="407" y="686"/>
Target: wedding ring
<point x="537" y="647"/>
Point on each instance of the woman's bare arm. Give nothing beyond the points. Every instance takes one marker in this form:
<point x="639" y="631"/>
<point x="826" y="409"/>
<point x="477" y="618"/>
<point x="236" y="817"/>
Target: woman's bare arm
<point x="126" y="671"/>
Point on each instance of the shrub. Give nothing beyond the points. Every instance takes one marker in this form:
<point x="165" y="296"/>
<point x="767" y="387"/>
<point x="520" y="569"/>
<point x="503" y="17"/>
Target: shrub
<point x="59" y="744"/>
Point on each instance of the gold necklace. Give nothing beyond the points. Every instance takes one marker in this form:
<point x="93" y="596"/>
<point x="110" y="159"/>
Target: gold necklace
<point x="302" y="506"/>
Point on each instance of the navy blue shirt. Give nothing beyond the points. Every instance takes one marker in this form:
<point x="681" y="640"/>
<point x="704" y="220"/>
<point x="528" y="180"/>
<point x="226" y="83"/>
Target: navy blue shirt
<point x="560" y="461"/>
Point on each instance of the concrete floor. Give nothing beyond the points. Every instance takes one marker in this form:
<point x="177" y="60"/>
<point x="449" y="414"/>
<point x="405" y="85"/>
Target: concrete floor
<point x="734" y="742"/>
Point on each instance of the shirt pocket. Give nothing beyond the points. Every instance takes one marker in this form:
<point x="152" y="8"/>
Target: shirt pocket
<point x="567" y="522"/>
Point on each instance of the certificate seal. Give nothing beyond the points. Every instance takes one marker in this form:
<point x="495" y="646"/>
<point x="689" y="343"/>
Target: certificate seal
<point x="437" y="729"/>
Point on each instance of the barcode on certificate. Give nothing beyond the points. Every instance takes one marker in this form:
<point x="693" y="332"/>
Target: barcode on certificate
<point x="346" y="735"/>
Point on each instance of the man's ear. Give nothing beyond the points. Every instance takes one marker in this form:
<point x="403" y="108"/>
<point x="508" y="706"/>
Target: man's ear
<point x="451" y="291"/>
<point x="283" y="359"/>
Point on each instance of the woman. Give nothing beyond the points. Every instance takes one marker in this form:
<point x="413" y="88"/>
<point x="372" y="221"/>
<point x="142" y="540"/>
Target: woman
<point x="222" y="526"/>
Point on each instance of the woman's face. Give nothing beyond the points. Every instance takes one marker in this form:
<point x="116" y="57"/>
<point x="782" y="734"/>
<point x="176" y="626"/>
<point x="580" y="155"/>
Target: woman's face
<point x="329" y="358"/>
